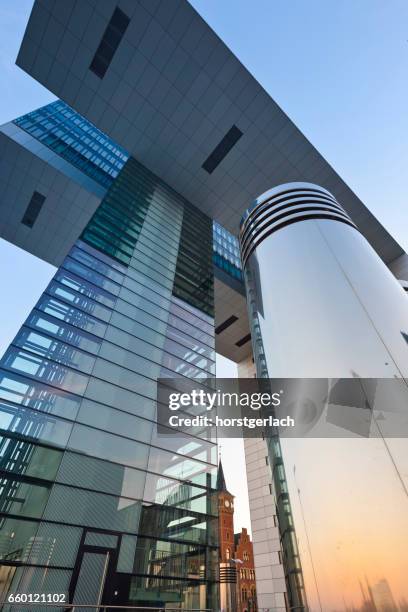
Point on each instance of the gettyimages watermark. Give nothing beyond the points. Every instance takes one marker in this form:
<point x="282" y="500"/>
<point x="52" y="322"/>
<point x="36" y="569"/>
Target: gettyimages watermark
<point x="288" y="407"/>
<point x="224" y="401"/>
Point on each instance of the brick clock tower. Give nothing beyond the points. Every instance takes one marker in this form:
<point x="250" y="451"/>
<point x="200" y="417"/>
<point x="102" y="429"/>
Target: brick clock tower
<point x="225" y="517"/>
<point x="237" y="570"/>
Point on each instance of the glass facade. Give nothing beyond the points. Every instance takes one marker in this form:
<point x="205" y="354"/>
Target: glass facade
<point x="76" y="140"/>
<point x="79" y="142"/>
<point x="226" y="254"/>
<point x="94" y="503"/>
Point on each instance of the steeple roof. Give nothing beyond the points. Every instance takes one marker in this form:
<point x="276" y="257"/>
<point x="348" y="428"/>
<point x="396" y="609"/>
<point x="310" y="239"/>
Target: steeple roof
<point x="221" y="484"/>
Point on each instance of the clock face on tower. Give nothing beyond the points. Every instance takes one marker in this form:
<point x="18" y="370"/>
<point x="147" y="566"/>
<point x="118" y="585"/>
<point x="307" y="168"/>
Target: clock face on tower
<point x="227" y="503"/>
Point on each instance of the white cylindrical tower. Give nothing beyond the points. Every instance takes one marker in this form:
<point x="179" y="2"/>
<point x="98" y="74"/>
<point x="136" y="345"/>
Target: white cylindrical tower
<point x="324" y="302"/>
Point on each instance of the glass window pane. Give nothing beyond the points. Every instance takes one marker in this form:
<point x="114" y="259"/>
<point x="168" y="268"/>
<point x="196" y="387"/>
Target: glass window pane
<point x="108" y="446"/>
<point x="92" y="509"/>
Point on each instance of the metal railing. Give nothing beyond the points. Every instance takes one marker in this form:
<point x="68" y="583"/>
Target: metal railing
<point x="100" y="608"/>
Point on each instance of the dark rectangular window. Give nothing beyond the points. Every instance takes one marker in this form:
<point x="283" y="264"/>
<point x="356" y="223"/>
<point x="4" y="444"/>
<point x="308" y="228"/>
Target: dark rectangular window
<point x="194" y="278"/>
<point x="226" y="324"/>
<point x="243" y="340"/>
<point x="33" y="209"/>
<point x="222" y="149"/>
<point x="109" y="43"/>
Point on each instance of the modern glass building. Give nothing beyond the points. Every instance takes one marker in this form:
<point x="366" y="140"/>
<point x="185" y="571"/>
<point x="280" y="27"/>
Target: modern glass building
<point x="91" y="493"/>
<point x="75" y="139"/>
<point x="132" y="184"/>
<point x="226" y="251"/>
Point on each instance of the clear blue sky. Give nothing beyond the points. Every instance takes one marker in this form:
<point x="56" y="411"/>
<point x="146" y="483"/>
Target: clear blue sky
<point x="339" y="69"/>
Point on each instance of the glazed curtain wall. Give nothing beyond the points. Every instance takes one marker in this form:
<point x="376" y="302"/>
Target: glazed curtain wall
<point x="93" y="502"/>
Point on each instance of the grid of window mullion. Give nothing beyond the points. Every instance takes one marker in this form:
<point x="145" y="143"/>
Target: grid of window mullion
<point x="43" y="444"/>
<point x="141" y="339"/>
<point x="201" y="262"/>
<point x="208" y="443"/>
<point x="162" y="265"/>
<point x="158" y="300"/>
<point x="135" y="180"/>
<point x="176" y="582"/>
<point x="100" y="239"/>
<point x="140" y="255"/>
<point x="182" y="362"/>
<point x="164" y="212"/>
<point x="199" y="322"/>
<point x="187" y="285"/>
<point x="105" y="246"/>
<point x="209" y="369"/>
<point x="117" y="235"/>
<point x="119" y="222"/>
<point x="62" y="344"/>
<point x="96" y="264"/>
<point x="148" y="444"/>
<point x="142" y="177"/>
<point x="106" y="233"/>
<point x="115" y="202"/>
<point x="193" y="330"/>
<point x="164" y="372"/>
<point x="193" y="278"/>
<point x="195" y="270"/>
<point x="182" y="311"/>
<point x="184" y="291"/>
<point x="138" y="212"/>
<point x="56" y="127"/>
<point x="155" y="232"/>
<point x="196" y="280"/>
<point x="69" y="303"/>
<point x="133" y="186"/>
<point x="176" y="481"/>
<point x="190" y="241"/>
<point x="68" y="329"/>
<point x="196" y="286"/>
<point x="153" y="243"/>
<point x="162" y="537"/>
<point x="34" y="378"/>
<point x="194" y="227"/>
<point x="136" y="277"/>
<point x="151" y="236"/>
<point x="196" y="277"/>
<point x="117" y="246"/>
<point x="131" y="196"/>
<point x="86" y="165"/>
<point x="84" y="271"/>
<point x="118" y="239"/>
<point x="197" y="266"/>
<point x="226" y="265"/>
<point x="44" y="481"/>
<point x="172" y="333"/>
<point x="102" y="257"/>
